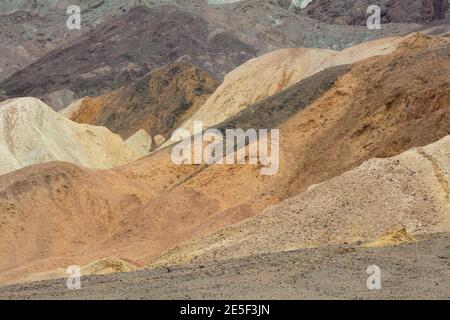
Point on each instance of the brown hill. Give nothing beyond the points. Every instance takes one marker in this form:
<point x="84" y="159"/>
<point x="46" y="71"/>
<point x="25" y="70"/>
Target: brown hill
<point x="157" y="102"/>
<point x="31" y="29"/>
<point x="384" y="106"/>
<point x="379" y="203"/>
<point x="275" y="71"/>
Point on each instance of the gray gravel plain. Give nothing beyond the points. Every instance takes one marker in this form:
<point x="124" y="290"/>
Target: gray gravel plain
<point x="410" y="271"/>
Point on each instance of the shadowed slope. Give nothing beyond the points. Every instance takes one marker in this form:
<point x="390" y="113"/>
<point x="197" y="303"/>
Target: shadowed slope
<point x="273" y="72"/>
<point x="410" y="191"/>
<point x="126" y="47"/>
<point x="383" y="106"/>
<point x="157" y="102"/>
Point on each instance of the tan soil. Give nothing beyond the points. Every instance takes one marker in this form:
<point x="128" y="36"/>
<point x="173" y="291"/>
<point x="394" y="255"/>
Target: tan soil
<point x="383" y="202"/>
<point x="157" y="103"/>
<point x="382" y="107"/>
<point x="273" y="72"/>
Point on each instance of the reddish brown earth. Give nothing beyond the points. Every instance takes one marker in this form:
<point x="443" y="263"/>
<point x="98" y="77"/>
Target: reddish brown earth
<point x="380" y="108"/>
<point x="383" y="202"/>
<point x="157" y="102"/>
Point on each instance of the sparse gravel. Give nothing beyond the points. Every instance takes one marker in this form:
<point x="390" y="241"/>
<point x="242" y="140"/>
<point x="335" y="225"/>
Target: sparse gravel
<point x="410" y="271"/>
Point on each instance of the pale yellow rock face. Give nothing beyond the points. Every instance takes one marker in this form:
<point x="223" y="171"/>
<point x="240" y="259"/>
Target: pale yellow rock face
<point x="140" y="142"/>
<point x="159" y="139"/>
<point x="408" y="192"/>
<point x="107" y="266"/>
<point x="103" y="266"/>
<point x="31" y="133"/>
<point x="392" y="237"/>
<point x="273" y="72"/>
<point x="260" y="78"/>
<point x="257" y="79"/>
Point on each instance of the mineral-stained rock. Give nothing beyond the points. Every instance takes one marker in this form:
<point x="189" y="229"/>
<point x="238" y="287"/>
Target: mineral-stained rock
<point x="158" y="102"/>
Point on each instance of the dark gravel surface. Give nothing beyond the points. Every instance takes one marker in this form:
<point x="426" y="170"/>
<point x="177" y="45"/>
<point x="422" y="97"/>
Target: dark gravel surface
<point x="410" y="271"/>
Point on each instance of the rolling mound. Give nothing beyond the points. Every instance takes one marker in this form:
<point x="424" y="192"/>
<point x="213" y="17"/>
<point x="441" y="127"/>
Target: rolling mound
<point x="382" y="107"/>
<point x="157" y="102"/>
<point x="140" y="142"/>
<point x="273" y="72"/>
<point x="31" y="133"/>
<point x="410" y="192"/>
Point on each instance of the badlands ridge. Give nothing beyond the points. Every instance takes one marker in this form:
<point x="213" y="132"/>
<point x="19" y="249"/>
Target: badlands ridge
<point x="378" y="107"/>
<point x="86" y="170"/>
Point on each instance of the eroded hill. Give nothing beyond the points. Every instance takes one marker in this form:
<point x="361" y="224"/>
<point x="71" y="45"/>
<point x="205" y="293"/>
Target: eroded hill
<point x="382" y="107"/>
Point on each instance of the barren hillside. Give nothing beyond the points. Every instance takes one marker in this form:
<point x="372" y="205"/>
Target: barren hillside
<point x="158" y="102"/>
<point x="32" y="133"/>
<point x="382" y="107"/>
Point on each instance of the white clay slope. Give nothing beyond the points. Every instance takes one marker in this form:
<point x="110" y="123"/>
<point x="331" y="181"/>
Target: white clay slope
<point x="31" y="132"/>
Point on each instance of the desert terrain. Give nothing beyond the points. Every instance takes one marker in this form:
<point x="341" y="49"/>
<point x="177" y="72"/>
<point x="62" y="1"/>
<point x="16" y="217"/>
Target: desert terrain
<point x="357" y="175"/>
